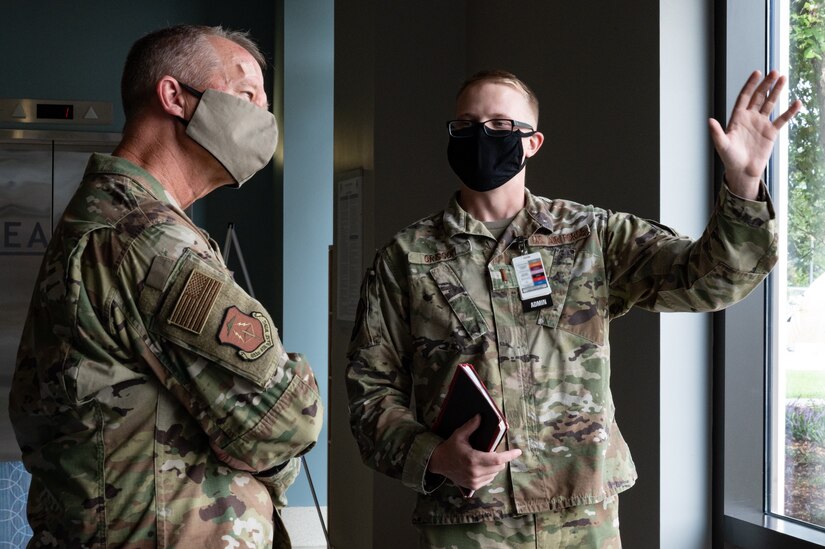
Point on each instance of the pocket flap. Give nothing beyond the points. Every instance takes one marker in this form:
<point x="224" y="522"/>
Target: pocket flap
<point x="459" y="300"/>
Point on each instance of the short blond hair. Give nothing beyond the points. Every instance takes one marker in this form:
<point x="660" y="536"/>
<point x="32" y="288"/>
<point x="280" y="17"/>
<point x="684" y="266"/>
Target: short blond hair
<point x="503" y="77"/>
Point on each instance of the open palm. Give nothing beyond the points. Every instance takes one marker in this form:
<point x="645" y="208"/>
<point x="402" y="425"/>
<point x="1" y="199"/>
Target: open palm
<point x="746" y="145"/>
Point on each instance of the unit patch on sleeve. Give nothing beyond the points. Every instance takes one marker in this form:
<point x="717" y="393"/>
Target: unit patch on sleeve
<point x="195" y="302"/>
<point x="250" y="334"/>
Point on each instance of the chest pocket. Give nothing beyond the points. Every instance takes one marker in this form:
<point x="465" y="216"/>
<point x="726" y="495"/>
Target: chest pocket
<point x="560" y="258"/>
<point x="460" y="302"/>
<point x="577" y="280"/>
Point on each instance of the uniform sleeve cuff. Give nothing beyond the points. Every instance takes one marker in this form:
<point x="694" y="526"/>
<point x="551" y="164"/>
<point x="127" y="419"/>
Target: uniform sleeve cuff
<point x="280" y="480"/>
<point x="415" y="473"/>
<point x="750" y="227"/>
<point x="752" y="212"/>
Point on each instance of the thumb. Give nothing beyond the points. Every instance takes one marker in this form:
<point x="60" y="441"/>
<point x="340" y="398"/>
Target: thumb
<point x="717" y="133"/>
<point x="468" y="428"/>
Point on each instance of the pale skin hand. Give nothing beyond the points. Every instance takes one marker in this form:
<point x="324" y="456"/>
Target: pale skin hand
<point x="746" y="145"/>
<point x="458" y="461"/>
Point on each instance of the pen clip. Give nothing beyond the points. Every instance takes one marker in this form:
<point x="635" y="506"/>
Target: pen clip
<point x="521" y="242"/>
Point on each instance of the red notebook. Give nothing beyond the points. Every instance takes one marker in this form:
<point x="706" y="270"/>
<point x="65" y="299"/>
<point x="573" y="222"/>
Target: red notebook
<point x="466" y="397"/>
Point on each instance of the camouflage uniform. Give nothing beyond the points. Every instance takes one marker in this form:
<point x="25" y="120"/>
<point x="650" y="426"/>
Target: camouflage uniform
<point x="152" y="399"/>
<point x="444" y="292"/>
<point x="594" y="526"/>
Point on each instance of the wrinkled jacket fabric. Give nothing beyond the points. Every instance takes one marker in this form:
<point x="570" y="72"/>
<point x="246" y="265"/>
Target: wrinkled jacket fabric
<point x="444" y="292"/>
<point x="139" y="423"/>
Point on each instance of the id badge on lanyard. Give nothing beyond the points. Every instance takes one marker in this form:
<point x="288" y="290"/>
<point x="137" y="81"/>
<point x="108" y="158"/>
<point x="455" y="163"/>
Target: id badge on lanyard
<point x="533" y="286"/>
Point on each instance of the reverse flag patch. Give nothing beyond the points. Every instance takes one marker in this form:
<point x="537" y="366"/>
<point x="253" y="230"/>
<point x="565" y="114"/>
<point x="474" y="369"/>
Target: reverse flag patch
<point x="251" y="333"/>
<point x="195" y="302"/>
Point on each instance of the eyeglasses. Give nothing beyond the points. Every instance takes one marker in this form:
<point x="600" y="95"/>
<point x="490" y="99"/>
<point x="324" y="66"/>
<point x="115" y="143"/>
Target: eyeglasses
<point x="496" y="127"/>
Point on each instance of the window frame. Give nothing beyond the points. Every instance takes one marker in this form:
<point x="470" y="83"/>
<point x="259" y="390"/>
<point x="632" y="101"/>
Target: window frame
<point x="741" y="334"/>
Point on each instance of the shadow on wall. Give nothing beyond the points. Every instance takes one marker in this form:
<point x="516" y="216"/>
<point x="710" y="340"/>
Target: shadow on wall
<point x="14" y="488"/>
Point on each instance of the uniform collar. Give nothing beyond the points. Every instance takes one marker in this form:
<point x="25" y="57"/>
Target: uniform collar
<point x="114" y="165"/>
<point x="107" y="164"/>
<point x="535" y="214"/>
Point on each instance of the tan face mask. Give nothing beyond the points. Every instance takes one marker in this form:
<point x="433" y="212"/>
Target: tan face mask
<point x="239" y="134"/>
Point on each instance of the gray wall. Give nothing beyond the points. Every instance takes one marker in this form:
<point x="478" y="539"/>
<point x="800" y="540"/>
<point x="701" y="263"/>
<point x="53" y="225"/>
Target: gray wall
<point x="596" y="70"/>
<point x="351" y="525"/>
<point x="686" y="197"/>
<point x="307" y="214"/>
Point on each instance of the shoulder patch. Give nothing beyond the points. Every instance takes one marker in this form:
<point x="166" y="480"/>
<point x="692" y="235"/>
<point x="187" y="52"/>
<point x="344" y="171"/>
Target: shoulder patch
<point x="195" y="302"/>
<point x="204" y="311"/>
<point x="251" y="333"/>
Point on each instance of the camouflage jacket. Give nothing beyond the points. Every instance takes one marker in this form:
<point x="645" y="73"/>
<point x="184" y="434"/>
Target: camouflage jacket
<point x="444" y="292"/>
<point x="152" y="399"/>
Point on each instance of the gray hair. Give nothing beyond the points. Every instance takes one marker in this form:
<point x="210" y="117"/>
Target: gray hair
<point x="182" y="51"/>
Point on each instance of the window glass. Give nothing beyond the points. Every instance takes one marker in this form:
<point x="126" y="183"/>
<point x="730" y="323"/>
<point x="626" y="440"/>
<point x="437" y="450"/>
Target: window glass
<point x="796" y="335"/>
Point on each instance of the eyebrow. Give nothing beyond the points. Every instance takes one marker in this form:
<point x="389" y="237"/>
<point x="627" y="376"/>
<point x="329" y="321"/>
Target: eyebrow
<point x="493" y="117"/>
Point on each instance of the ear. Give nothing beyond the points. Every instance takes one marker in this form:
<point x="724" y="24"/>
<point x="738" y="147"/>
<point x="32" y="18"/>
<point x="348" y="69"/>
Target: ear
<point x="171" y="96"/>
<point x="533" y="144"/>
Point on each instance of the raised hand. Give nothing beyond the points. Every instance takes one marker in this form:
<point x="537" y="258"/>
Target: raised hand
<point x="746" y="145"/>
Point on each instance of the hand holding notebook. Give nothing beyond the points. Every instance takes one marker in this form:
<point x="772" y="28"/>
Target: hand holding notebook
<point x="469" y="420"/>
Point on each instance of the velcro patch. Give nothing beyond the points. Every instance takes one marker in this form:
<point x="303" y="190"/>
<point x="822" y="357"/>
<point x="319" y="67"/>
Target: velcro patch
<point x="249" y="333"/>
<point x="195" y="302"/>
<point x="558" y="239"/>
<point x="438" y="255"/>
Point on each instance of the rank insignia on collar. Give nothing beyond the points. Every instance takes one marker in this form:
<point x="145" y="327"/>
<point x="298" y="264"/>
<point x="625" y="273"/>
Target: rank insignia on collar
<point x="249" y="333"/>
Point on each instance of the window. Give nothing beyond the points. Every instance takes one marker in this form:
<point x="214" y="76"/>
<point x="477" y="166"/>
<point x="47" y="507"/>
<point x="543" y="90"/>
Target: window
<point x="796" y="320"/>
<point x="771" y="389"/>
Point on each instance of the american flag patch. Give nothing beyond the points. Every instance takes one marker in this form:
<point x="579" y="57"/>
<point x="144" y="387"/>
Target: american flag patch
<point x="195" y="303"/>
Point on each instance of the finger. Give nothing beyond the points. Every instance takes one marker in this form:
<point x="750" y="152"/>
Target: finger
<point x="744" y="97"/>
<point x="783" y="118"/>
<point x="509" y="455"/>
<point x="761" y="91"/>
<point x="480" y="482"/>
<point x="479" y="471"/>
<point x="484" y="481"/>
<point x="495" y="459"/>
<point x="773" y="96"/>
<point x="717" y="133"/>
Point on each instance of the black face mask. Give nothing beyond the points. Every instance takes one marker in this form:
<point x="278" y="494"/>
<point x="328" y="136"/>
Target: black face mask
<point x="485" y="163"/>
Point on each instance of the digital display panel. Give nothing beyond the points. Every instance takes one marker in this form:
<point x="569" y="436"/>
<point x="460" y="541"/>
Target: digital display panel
<point x="55" y="112"/>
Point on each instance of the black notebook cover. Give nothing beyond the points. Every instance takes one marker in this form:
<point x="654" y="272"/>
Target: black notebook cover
<point x="466" y="397"/>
